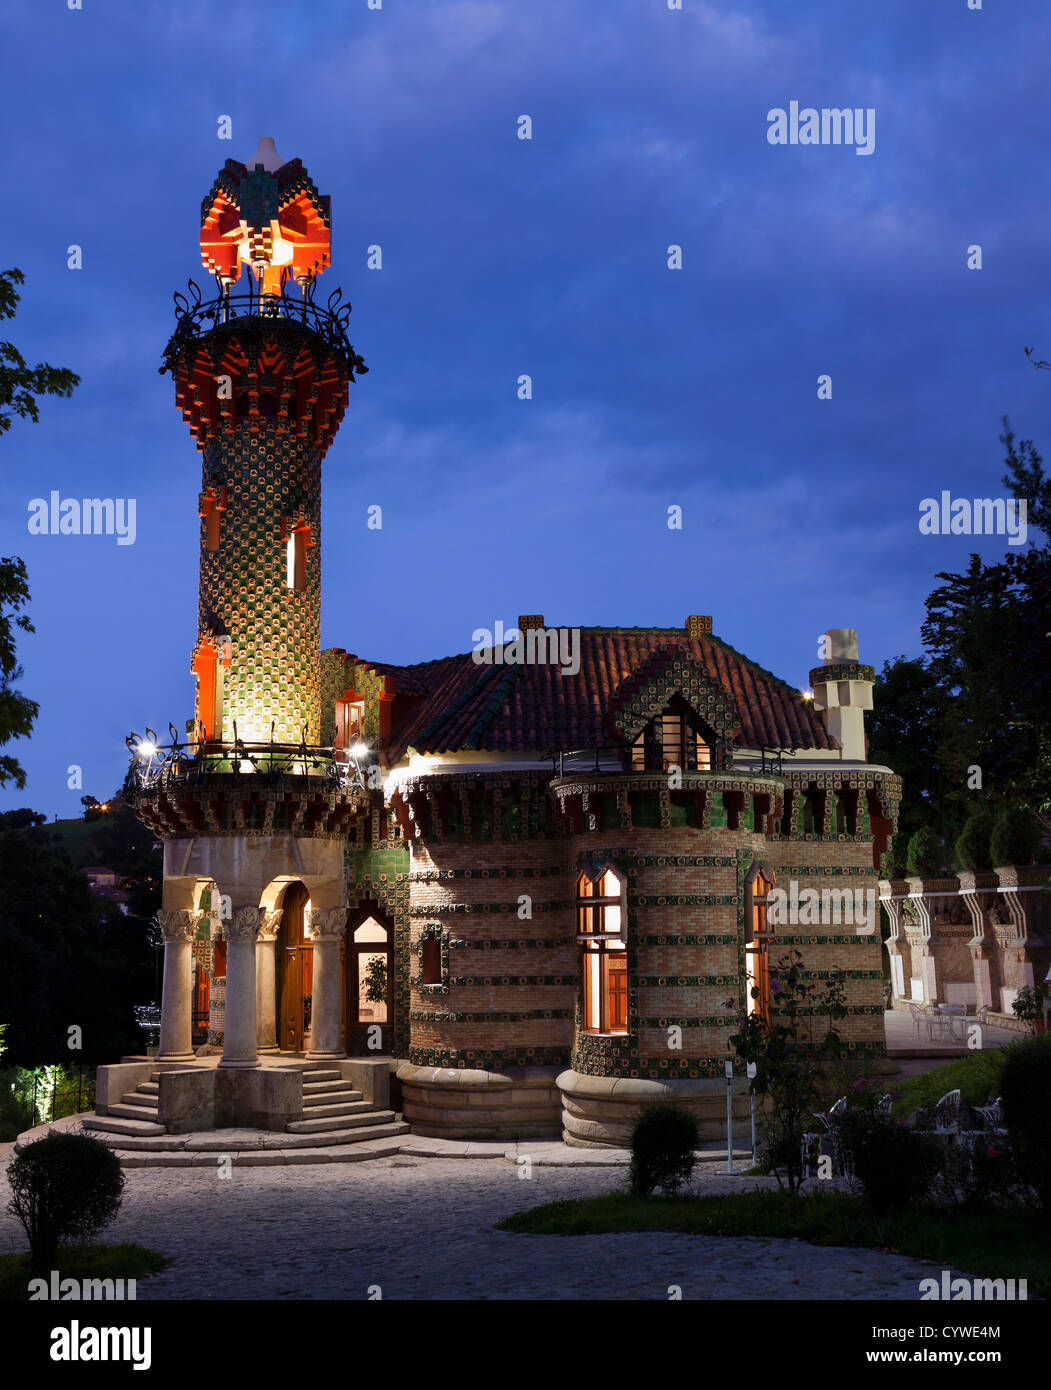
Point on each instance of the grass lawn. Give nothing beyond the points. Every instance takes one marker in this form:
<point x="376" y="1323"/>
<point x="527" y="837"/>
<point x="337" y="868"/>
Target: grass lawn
<point x="977" y="1077"/>
<point x="1007" y="1244"/>
<point x="81" y="1262"/>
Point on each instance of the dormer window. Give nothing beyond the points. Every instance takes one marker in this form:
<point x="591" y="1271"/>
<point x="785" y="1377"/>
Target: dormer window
<point x="672" y="740"/>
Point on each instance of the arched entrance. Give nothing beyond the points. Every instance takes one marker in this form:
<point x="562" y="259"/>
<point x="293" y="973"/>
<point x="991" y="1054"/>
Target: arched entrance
<point x="295" y="971"/>
<point x="369" y="984"/>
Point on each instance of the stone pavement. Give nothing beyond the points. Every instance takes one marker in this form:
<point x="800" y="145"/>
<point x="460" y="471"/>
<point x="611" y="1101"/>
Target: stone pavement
<point x="421" y="1227"/>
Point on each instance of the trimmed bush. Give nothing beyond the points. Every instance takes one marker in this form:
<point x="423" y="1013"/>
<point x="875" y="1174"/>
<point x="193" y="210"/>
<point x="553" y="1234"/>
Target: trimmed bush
<point x="892" y="1167"/>
<point x="1025" y="1090"/>
<point x="1015" y="838"/>
<point x="925" y="857"/>
<point x="973" y="853"/>
<point x="663" y="1139"/>
<point x="64" y="1188"/>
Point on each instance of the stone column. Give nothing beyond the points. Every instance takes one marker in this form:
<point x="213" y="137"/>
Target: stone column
<point x="178" y="930"/>
<point x="265" y="983"/>
<point x="977" y="891"/>
<point x="239" y="1044"/>
<point x="891" y="899"/>
<point x="325" y="929"/>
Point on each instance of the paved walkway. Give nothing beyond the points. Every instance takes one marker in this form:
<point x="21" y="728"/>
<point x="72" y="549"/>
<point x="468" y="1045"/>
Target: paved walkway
<point x="420" y="1227"/>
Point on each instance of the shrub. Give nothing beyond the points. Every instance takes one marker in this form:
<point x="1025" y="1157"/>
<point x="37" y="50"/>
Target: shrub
<point x="791" y="1055"/>
<point x="892" y="1167"/>
<point x="1028" y="1003"/>
<point x="64" y="1187"/>
<point x="925" y="856"/>
<point x="663" y="1140"/>
<point x="1015" y="838"/>
<point x="973" y="851"/>
<point x="977" y="1176"/>
<point x="1025" y="1090"/>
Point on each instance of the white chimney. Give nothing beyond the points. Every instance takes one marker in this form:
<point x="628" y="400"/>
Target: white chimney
<point x="843" y="691"/>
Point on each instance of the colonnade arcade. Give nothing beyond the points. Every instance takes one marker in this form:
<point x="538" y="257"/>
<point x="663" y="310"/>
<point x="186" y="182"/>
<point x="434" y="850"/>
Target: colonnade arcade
<point x="250" y="925"/>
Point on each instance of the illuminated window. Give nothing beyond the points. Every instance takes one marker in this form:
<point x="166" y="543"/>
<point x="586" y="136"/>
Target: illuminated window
<point x="350" y="722"/>
<point x="296" y="559"/>
<point x="604" y="960"/>
<point x="204" y="668"/>
<point x="757" y="961"/>
<point x="671" y="740"/>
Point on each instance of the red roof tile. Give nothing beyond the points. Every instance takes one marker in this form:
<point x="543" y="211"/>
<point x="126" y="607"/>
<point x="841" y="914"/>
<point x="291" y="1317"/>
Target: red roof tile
<point x="464" y="705"/>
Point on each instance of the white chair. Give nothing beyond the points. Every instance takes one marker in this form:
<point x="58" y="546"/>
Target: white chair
<point x="947" y="1115"/>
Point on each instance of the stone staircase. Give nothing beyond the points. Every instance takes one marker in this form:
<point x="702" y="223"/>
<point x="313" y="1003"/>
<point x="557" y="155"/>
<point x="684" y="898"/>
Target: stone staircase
<point x="337" y="1125"/>
<point x="136" y="1115"/>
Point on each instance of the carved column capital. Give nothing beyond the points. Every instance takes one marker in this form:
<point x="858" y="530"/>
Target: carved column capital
<point x="245" y="924"/>
<point x="179" y="926"/>
<point x="326" y="923"/>
<point x="270" y="925"/>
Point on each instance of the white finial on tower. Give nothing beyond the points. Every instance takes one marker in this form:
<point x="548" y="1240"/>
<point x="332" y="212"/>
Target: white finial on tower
<point x="266" y="155"/>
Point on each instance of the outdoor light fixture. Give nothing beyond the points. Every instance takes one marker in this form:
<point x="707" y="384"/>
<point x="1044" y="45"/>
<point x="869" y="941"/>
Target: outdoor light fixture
<point x="146" y="749"/>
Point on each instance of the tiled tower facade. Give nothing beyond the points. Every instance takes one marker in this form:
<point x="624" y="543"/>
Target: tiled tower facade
<point x="262" y="382"/>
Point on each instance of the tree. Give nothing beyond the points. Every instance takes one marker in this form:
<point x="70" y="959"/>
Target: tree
<point x="905" y="730"/>
<point x="70" y="958"/>
<point x="1025" y="478"/>
<point x="20" y="385"/>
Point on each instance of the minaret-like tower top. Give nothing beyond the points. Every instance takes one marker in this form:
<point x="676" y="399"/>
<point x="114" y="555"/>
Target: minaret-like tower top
<point x="268" y="215"/>
<point x="262" y="381"/>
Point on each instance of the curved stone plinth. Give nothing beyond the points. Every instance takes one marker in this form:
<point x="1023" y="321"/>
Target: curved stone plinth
<point x="599" y="1111"/>
<point x="457" y="1103"/>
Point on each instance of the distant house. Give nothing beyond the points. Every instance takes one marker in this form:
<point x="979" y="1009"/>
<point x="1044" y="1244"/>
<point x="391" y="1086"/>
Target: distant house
<point x="106" y="882"/>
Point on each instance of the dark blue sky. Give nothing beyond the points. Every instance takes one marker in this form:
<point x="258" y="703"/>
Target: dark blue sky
<point x="652" y="387"/>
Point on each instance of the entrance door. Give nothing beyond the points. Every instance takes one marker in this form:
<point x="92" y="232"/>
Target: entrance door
<point x="295" y="971"/>
<point x="370" y="988"/>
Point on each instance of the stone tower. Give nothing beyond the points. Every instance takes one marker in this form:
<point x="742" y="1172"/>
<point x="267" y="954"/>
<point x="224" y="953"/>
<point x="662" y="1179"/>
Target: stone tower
<point x="250" y="806"/>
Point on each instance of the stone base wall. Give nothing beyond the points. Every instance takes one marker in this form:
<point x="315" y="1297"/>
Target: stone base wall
<point x="519" y="1103"/>
<point x="599" y="1111"/>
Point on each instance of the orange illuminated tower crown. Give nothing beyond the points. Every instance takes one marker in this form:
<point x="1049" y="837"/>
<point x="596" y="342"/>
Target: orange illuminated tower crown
<point x="261" y="379"/>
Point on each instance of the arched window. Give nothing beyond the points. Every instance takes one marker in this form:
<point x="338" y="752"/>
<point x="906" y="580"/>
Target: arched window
<point x="756" y="953"/>
<point x="603" y="953"/>
<point x="371" y="951"/>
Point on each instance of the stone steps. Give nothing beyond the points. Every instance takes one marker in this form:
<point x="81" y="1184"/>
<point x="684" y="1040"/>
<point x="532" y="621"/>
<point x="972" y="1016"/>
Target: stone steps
<point x="314" y="1091"/>
<point x="335" y="1109"/>
<point x="327" y="1124"/>
<point x="376" y="1146"/>
<point x="123" y="1124"/>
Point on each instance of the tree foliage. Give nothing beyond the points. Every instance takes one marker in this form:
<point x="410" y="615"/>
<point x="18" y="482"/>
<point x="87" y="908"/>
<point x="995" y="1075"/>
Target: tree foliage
<point x="21" y="384"/>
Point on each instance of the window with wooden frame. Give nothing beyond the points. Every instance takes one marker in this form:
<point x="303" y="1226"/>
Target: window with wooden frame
<point x="671" y="740"/>
<point x="757" y="946"/>
<point x="350" y="721"/>
<point x="603" y="952"/>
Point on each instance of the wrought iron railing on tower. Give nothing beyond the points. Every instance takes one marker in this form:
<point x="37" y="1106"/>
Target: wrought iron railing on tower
<point x="156" y="765"/>
<point x="196" y="316"/>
